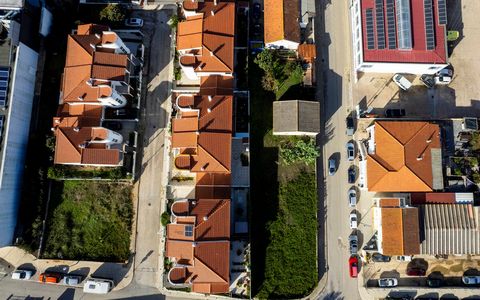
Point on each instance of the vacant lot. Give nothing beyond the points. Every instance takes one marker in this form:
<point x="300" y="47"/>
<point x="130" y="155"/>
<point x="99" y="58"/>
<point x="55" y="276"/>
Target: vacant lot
<point x="283" y="208"/>
<point x="89" y="220"/>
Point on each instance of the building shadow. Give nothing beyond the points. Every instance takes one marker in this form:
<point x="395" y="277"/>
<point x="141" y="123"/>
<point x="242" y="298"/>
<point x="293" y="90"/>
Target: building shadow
<point x="28" y="267"/>
<point x="115" y="272"/>
<point x="455" y="22"/>
<point x="82" y="272"/>
<point x="62" y="269"/>
<point x="69" y="294"/>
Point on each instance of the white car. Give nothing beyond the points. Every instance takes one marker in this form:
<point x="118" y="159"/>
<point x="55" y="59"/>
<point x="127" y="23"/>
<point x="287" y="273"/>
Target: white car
<point x="387" y="282"/>
<point x="352" y="197"/>
<point x="444" y="76"/>
<point x="402" y="82"/>
<point x="134" y="22"/>
<point x="22" y="274"/>
<point x="353" y="220"/>
<point x="404" y="258"/>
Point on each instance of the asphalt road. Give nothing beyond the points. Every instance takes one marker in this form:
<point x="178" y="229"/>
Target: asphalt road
<point x="333" y="34"/>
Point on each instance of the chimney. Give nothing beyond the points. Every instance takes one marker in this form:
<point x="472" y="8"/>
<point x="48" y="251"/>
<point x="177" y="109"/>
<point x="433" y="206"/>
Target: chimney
<point x="212" y="12"/>
<point x="97" y="36"/>
<point x="57" y="121"/>
<point x="211" y="53"/>
<point x="197" y="132"/>
<point x="205" y="218"/>
<point x="202" y="169"/>
<point x="209" y="110"/>
<point x="420" y="157"/>
<point x="210" y="98"/>
<point x="80" y="98"/>
<point x="76" y="129"/>
<point x="215" y="2"/>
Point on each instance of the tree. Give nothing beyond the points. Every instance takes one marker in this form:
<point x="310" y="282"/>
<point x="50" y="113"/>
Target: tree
<point x="301" y="150"/>
<point x="112" y="12"/>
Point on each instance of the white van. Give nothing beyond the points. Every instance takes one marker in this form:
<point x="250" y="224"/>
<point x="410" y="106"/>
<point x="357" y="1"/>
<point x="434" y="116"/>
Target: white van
<point x="402" y="82"/>
<point x="97" y="286"/>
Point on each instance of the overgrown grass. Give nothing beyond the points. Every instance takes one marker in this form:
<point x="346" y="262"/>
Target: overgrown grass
<point x="293" y="80"/>
<point x="89" y="220"/>
<point x="291" y="267"/>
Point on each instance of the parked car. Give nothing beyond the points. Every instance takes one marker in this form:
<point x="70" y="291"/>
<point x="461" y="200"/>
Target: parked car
<point x="394" y="112"/>
<point x="471" y="280"/>
<point x="98" y="286"/>
<point x="404" y="258"/>
<point x="113" y="125"/>
<point x="387" y="282"/>
<point x="352" y="197"/>
<point x="402" y="82"/>
<point x="50" y="277"/>
<point x="353" y="220"/>
<point x="72" y="279"/>
<point x="378" y="257"/>
<point x="256" y="11"/>
<point x="22" y="274"/>
<point x="350" y="151"/>
<point x="353" y="266"/>
<point x="352" y="174"/>
<point x="332" y="168"/>
<point x="350" y="125"/>
<point x="353" y="242"/>
<point x="416" y="272"/>
<point x="134" y="22"/>
<point x="434" y="282"/>
<point x="427" y="80"/>
<point x="444" y="76"/>
<point x="257" y="30"/>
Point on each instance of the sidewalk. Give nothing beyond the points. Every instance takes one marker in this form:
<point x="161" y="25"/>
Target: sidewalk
<point x="120" y="273"/>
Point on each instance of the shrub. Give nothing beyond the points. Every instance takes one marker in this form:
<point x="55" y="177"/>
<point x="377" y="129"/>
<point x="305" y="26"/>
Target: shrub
<point x="165" y="218"/>
<point x="300" y="150"/>
<point x="173" y="22"/>
<point x="73" y="172"/>
<point x="112" y="13"/>
<point x="177" y="73"/>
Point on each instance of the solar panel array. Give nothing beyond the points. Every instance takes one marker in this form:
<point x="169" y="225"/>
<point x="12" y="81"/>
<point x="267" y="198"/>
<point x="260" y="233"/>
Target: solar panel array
<point x="370" y="34"/>
<point x="4" y="75"/>
<point x="442" y="12"/>
<point x="404" y="27"/>
<point x="391" y="31"/>
<point x="379" y="15"/>
<point x="429" y="31"/>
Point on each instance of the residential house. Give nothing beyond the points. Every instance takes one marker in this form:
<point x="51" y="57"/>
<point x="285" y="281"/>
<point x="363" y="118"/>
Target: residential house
<point x="19" y="54"/>
<point x="296" y="117"/>
<point x="198" y="243"/>
<point x="96" y="75"/>
<point x="403" y="156"/>
<point x="282" y="24"/>
<point x="399" y="36"/>
<point x="205" y="39"/>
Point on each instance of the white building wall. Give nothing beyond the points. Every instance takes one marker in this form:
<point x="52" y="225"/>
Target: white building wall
<point x="285" y="44"/>
<point x="407" y="68"/>
<point x="16" y="139"/>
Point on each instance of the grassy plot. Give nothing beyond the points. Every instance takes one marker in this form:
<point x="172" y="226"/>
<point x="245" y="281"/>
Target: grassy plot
<point x="89" y="220"/>
<point x="291" y="81"/>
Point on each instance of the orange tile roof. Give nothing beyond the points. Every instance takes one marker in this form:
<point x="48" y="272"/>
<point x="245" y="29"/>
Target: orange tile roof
<point x="212" y="34"/>
<point x="402" y="161"/>
<point x="281" y="20"/>
<point x="213" y="179"/>
<point x="307" y="51"/>
<point x="216" y="85"/>
<point x="392" y="231"/>
<point x="185" y="124"/>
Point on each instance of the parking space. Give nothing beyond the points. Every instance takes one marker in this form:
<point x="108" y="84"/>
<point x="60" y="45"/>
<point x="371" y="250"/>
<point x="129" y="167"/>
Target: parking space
<point x="460" y="98"/>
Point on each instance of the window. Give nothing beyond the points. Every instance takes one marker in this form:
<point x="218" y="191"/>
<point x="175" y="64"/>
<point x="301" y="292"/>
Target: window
<point x="189" y="230"/>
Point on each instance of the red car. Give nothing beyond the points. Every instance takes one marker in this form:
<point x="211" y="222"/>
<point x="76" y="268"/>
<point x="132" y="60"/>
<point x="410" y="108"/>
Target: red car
<point x="353" y="266"/>
<point x="416" y="272"/>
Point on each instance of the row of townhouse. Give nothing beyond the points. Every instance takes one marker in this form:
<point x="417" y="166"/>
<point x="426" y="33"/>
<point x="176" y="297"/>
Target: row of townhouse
<point x="199" y="235"/>
<point x="97" y="73"/>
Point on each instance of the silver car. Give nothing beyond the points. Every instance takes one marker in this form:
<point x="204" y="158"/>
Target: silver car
<point x="352" y="197"/>
<point x="387" y="282"/>
<point x="71" y="280"/>
<point x="331" y="166"/>
<point x="350" y="151"/>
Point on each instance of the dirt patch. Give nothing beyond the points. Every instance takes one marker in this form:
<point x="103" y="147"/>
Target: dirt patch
<point x="457" y="268"/>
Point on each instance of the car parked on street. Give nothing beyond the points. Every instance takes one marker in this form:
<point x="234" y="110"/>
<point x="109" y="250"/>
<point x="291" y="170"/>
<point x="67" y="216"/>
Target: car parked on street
<point x="352" y="197"/>
<point x="387" y="282"/>
<point x="416" y="272"/>
<point x="256" y="11"/>
<point x="72" y="280"/>
<point x="352" y="174"/>
<point x="350" y="151"/>
<point x="350" y="125"/>
<point x="428" y="80"/>
<point x="50" y="277"/>
<point x="444" y="76"/>
<point x="434" y="282"/>
<point x="134" y="22"/>
<point x="332" y="168"/>
<point x="353" y="220"/>
<point x="395" y="113"/>
<point x="378" y="257"/>
<point x="404" y="258"/>
<point x="471" y="280"/>
<point x="22" y="274"/>
<point x="353" y="243"/>
<point x="402" y="82"/>
<point x="353" y="266"/>
<point x="98" y="286"/>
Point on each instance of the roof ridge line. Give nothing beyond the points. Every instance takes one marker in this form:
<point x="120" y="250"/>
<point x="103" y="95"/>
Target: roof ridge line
<point x="214" y="55"/>
<point x="206" y="151"/>
<point x="216" y="209"/>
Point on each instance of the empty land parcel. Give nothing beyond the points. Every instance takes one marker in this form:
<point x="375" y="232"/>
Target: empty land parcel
<point x="284" y="206"/>
<point x="89" y="220"/>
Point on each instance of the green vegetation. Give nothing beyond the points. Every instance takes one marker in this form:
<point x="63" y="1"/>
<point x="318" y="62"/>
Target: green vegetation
<point x="280" y="73"/>
<point x="165" y="218"/>
<point x="284" y="261"/>
<point x="74" y="172"/>
<point x="177" y="73"/>
<point x="173" y="22"/>
<point x="89" y="220"/>
<point x="112" y="13"/>
<point x="301" y="150"/>
<point x="291" y="269"/>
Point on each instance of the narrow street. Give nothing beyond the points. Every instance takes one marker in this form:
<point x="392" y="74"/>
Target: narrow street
<point x="333" y="35"/>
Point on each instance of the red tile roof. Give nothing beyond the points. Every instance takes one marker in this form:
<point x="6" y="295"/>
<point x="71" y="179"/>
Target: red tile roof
<point x="419" y="52"/>
<point x="282" y="20"/>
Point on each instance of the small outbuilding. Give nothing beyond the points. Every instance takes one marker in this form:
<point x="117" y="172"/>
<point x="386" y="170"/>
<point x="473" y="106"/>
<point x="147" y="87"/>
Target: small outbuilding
<point x="296" y="117"/>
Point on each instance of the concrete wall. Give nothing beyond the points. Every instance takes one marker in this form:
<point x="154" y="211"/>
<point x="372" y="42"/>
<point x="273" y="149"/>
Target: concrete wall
<point x="16" y="139"/>
<point x="282" y="43"/>
<point x="407" y="68"/>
